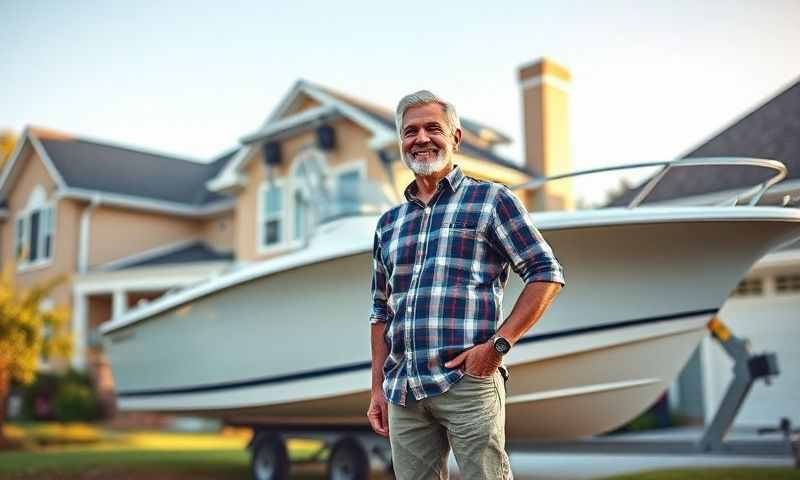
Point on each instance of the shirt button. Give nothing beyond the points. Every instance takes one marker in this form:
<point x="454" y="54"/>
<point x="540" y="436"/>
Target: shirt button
<point x="417" y="267"/>
<point x="427" y="210"/>
<point x="408" y="309"/>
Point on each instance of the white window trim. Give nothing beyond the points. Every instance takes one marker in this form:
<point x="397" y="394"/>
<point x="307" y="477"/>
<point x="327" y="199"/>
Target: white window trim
<point x="41" y="262"/>
<point x="289" y="186"/>
<point x="358" y="166"/>
<point x="284" y="244"/>
<point x="295" y="185"/>
<point x="292" y="191"/>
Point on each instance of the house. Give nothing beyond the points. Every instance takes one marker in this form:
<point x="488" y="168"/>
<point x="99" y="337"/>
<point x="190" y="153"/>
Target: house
<point x="128" y="225"/>
<point x="765" y="308"/>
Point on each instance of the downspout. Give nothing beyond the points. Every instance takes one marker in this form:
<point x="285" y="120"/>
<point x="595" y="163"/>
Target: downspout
<point x="83" y="242"/>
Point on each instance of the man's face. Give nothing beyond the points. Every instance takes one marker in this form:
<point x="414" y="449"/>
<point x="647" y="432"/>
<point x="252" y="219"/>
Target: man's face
<point x="426" y="140"/>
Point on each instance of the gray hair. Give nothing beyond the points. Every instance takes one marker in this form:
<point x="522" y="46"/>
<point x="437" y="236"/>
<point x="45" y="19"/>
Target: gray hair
<point x="424" y="97"/>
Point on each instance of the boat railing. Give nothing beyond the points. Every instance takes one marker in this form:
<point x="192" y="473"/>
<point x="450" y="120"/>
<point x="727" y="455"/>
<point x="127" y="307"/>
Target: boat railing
<point x="754" y="192"/>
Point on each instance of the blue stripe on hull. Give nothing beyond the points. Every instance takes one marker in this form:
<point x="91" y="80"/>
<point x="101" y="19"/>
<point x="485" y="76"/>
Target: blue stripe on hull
<point x="352" y="367"/>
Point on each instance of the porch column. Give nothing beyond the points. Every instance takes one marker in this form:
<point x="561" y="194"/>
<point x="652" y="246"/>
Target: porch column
<point x="120" y="304"/>
<point x="80" y="322"/>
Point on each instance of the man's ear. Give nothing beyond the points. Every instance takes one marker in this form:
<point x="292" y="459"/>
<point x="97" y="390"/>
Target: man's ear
<point x="457" y="138"/>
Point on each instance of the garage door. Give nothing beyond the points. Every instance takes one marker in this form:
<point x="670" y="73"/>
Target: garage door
<point x="770" y="319"/>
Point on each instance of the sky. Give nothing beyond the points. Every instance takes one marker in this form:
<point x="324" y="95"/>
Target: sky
<point x="650" y="79"/>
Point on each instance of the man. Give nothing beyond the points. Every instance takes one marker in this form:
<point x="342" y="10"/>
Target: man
<point x="441" y="260"/>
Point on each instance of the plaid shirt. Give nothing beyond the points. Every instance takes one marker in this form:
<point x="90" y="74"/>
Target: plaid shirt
<point x="438" y="277"/>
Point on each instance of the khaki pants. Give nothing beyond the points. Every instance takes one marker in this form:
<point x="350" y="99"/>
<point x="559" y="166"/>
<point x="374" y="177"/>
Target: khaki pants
<point x="470" y="418"/>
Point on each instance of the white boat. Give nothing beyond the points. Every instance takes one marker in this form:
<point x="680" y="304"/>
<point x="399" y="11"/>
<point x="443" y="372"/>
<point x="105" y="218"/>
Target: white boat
<point x="285" y="342"/>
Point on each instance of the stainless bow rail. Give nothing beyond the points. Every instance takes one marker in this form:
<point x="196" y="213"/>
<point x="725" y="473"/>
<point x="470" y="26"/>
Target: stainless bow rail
<point x="756" y="191"/>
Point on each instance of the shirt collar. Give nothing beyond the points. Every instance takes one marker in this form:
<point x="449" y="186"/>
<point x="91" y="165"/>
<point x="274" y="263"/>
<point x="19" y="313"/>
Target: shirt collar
<point x="452" y="180"/>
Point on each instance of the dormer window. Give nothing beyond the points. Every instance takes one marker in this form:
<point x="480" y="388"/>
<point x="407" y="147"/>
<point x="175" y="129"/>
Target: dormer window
<point x="271" y="214"/>
<point x="35" y="227"/>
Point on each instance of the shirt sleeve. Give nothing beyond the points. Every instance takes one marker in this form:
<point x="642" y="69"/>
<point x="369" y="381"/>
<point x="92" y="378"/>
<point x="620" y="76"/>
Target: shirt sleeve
<point x="512" y="233"/>
<point x="380" y="311"/>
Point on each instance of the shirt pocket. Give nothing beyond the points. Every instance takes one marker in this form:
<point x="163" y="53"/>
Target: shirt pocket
<point x="462" y="251"/>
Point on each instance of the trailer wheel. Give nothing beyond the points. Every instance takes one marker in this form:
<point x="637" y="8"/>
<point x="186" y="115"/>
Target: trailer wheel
<point x="269" y="459"/>
<point x="348" y="461"/>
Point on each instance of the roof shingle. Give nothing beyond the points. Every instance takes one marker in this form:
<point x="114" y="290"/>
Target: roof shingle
<point x="771" y="131"/>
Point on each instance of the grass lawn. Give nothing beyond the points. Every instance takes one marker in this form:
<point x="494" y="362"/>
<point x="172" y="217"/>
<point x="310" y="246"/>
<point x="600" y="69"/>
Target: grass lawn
<point x="87" y="452"/>
<point x="80" y="451"/>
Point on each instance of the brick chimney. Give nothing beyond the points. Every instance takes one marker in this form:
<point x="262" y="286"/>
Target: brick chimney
<point x="544" y="85"/>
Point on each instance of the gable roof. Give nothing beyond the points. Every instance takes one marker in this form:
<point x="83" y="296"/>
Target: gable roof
<point x="473" y="132"/>
<point x="93" y="167"/>
<point x="378" y="120"/>
<point x="770" y="131"/>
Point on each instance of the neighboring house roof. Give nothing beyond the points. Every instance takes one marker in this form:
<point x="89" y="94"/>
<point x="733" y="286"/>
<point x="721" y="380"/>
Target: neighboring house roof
<point x="770" y="131"/>
<point x="102" y="167"/>
<point x="192" y="252"/>
<point x="90" y="167"/>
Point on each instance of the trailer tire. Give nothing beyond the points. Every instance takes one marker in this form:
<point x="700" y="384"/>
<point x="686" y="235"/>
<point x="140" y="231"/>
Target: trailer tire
<point x="269" y="459"/>
<point x="348" y="461"/>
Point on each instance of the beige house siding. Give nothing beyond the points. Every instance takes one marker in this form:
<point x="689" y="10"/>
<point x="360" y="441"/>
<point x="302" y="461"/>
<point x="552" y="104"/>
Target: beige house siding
<point x="117" y="232"/>
<point x="352" y="144"/>
<point x="219" y="233"/>
<point x="33" y="172"/>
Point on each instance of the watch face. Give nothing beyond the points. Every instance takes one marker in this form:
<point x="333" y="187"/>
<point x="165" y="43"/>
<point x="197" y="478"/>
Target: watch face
<point x="501" y="345"/>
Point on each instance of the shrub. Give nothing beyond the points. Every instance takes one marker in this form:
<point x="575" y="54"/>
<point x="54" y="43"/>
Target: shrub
<point x="69" y="397"/>
<point x="75" y="402"/>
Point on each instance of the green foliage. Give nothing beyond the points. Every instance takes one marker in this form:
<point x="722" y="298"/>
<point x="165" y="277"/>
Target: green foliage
<point x="8" y="140"/>
<point x="22" y="329"/>
<point x="66" y="398"/>
<point x="75" y="403"/>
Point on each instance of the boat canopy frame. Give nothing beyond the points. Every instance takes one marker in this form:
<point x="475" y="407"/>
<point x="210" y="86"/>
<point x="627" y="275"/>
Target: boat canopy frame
<point x="755" y="192"/>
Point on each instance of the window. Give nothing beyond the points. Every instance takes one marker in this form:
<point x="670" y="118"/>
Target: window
<point x="35" y="227"/>
<point x="300" y="214"/>
<point x="308" y="179"/>
<point x="749" y="287"/>
<point x="787" y="283"/>
<point x="33" y="238"/>
<point x="48" y="220"/>
<point x="347" y="190"/>
<point x="271" y="215"/>
<point x="20" y="243"/>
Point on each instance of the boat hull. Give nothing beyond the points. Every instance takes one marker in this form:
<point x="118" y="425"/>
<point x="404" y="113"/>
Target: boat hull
<point x="289" y="344"/>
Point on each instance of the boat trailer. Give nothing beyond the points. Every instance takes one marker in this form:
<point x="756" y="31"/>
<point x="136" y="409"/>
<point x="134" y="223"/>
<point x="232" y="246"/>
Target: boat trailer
<point x="747" y="368"/>
<point x="355" y="450"/>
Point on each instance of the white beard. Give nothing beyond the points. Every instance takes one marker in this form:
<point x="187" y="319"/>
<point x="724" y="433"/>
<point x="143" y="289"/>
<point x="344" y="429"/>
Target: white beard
<point x="427" y="168"/>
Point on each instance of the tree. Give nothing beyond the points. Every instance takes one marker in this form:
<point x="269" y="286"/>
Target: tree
<point x="8" y="140"/>
<point x="28" y="332"/>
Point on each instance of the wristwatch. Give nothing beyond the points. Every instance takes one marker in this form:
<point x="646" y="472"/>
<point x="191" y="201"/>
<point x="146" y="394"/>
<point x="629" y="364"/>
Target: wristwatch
<point x="501" y="345"/>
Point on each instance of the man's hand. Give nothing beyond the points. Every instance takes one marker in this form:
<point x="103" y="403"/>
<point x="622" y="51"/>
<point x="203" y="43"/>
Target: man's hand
<point x="479" y="361"/>
<point x="378" y="414"/>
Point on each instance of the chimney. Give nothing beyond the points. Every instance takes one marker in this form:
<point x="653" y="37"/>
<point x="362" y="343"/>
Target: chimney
<point x="544" y="85"/>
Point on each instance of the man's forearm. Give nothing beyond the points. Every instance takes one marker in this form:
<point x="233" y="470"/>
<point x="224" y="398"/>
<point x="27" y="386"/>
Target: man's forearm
<point x="379" y="353"/>
<point x="530" y="306"/>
